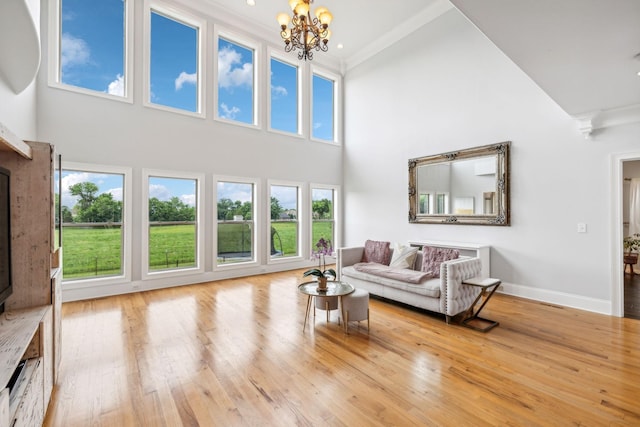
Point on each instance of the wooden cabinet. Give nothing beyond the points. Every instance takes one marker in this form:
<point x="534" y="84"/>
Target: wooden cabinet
<point x="25" y="335"/>
<point x="36" y="271"/>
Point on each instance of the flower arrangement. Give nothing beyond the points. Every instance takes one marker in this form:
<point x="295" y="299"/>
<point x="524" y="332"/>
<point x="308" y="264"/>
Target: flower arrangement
<point x="631" y="243"/>
<point x="323" y="248"/>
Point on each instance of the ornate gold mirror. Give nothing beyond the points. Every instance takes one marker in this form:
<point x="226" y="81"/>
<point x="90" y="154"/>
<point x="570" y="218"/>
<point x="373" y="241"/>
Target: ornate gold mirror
<point x="469" y="186"/>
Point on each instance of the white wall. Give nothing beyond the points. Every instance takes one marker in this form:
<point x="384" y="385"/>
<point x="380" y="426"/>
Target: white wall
<point x="450" y="88"/>
<point x="18" y="111"/>
<point x="88" y="129"/>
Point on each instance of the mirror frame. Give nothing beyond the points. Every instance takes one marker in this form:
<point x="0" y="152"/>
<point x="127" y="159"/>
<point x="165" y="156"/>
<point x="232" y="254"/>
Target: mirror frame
<point x="501" y="217"/>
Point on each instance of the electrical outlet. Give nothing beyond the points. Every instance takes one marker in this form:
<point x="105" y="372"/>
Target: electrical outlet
<point x="582" y="227"/>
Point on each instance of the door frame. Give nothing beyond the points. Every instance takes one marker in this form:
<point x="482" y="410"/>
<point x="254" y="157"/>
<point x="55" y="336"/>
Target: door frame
<point x="617" y="231"/>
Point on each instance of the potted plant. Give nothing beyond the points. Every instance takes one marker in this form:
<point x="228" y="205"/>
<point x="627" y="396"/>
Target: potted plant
<point x="323" y="248"/>
<point x="631" y="243"/>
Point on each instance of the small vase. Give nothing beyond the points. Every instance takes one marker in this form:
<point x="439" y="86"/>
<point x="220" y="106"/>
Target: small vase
<point x="322" y="283"/>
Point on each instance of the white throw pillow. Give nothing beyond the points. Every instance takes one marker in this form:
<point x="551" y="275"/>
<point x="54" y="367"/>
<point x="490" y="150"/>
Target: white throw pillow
<point x="403" y="256"/>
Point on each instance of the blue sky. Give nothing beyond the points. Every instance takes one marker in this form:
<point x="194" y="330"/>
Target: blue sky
<point x="92" y="57"/>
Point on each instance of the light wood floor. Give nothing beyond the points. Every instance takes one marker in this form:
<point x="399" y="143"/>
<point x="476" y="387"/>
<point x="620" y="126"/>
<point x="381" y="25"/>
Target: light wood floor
<point x="233" y="353"/>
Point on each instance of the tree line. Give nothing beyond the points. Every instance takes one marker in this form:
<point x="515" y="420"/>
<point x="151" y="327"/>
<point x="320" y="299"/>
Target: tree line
<point x="91" y="207"/>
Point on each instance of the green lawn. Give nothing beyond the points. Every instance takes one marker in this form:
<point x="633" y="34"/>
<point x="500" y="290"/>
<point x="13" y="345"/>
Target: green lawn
<point x="95" y="252"/>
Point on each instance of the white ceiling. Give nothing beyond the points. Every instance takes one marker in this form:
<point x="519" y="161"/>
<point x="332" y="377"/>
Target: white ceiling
<point x="362" y="26"/>
<point x="581" y="52"/>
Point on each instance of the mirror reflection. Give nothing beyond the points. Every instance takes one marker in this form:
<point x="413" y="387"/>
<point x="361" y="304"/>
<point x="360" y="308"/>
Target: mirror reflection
<point x="463" y="187"/>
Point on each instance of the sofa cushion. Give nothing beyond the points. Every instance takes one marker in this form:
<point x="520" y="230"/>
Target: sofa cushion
<point x="428" y="288"/>
<point x="376" y="251"/>
<point x="433" y="257"/>
<point x="403" y="256"/>
<point x="402" y="274"/>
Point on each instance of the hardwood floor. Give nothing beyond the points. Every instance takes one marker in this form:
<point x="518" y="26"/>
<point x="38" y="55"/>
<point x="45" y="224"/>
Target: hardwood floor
<point x="233" y="353"/>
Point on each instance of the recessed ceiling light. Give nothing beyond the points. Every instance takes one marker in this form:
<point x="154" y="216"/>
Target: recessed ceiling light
<point x="340" y="46"/>
<point x="251" y="2"/>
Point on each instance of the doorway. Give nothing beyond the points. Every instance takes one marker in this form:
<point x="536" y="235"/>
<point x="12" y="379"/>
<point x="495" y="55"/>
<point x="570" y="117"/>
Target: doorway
<point x="630" y="225"/>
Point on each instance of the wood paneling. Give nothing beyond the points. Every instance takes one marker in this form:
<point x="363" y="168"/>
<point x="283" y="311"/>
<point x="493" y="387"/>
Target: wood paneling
<point x="31" y="225"/>
<point x="233" y="353"/>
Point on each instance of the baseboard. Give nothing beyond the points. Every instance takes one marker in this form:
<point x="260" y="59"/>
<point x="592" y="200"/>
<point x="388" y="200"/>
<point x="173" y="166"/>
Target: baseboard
<point x="559" y="298"/>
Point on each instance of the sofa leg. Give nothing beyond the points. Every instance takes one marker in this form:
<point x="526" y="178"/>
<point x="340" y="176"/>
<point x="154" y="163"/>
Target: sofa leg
<point x="448" y="318"/>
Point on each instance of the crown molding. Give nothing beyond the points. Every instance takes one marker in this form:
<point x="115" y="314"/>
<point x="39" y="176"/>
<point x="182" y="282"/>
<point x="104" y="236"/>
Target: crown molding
<point x="589" y="121"/>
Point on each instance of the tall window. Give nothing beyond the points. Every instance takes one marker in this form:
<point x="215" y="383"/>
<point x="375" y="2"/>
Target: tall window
<point x="284" y="96"/>
<point x="236" y="222"/>
<point x="172" y="223"/>
<point x="236" y="84"/>
<point x="323" y="218"/>
<point x="323" y="108"/>
<point x="92" y="45"/>
<point x="173" y="62"/>
<point x="284" y="226"/>
<point x="92" y="224"/>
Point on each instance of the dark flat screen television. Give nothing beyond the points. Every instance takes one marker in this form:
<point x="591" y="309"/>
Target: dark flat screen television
<point x="5" y="237"/>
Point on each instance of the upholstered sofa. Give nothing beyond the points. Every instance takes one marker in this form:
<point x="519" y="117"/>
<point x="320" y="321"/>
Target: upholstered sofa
<point x="410" y="285"/>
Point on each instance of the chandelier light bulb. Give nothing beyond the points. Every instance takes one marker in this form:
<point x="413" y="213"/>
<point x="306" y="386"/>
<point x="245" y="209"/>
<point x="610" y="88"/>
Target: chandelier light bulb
<point x="320" y="11"/>
<point x="325" y="18"/>
<point x="302" y="9"/>
<point x="283" y="20"/>
<point x="293" y="4"/>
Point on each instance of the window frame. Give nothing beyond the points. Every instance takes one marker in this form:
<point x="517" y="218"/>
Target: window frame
<point x="337" y="103"/>
<point x="301" y="68"/>
<point x="336" y="214"/>
<point x="170" y="11"/>
<point x="54" y="41"/>
<point x="247" y="43"/>
<point x="301" y="220"/>
<point x="127" y="225"/>
<point x="257" y="246"/>
<point x="146" y="273"/>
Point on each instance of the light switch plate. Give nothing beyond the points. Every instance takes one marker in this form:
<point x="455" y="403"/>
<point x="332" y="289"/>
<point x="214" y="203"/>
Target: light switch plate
<point x="582" y="227"/>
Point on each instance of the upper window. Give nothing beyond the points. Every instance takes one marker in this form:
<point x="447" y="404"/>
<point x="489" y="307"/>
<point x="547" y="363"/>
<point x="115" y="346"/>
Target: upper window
<point x="323" y="117"/>
<point x="284" y="96"/>
<point x="236" y="82"/>
<point x="92" y="46"/>
<point x="174" y="57"/>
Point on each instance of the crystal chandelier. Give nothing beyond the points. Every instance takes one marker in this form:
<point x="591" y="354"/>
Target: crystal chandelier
<point x="306" y="33"/>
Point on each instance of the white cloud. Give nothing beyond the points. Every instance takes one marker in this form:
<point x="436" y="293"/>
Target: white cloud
<point x="317" y="125"/>
<point x="116" y="193"/>
<point x="235" y="191"/>
<point x="163" y="194"/>
<point x="160" y="192"/>
<point x="188" y="199"/>
<point x="228" y="113"/>
<point x="186" y="78"/>
<point x="278" y="91"/>
<point x="75" y="51"/>
<point x="239" y="76"/>
<point x="116" y="87"/>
